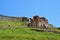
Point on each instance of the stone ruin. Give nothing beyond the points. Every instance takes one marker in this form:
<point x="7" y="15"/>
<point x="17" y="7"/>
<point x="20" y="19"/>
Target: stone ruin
<point x="37" y="22"/>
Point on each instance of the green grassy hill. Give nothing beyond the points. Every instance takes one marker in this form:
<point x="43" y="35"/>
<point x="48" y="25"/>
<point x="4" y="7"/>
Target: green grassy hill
<point x="18" y="33"/>
<point x="5" y="24"/>
<point x="26" y="34"/>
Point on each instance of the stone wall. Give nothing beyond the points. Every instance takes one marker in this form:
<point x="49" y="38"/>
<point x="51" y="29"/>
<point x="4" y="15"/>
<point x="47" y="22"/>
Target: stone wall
<point x="8" y="18"/>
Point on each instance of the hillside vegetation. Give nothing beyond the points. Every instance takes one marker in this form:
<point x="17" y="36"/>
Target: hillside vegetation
<point x="16" y="32"/>
<point x="5" y="24"/>
<point x="26" y="34"/>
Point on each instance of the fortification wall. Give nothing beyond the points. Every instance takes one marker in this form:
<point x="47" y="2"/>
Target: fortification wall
<point x="8" y="18"/>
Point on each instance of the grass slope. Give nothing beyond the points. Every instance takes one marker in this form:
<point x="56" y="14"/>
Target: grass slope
<point x="17" y="33"/>
<point x="4" y="24"/>
<point x="26" y="34"/>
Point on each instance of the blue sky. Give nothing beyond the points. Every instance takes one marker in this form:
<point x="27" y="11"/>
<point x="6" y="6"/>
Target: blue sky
<point x="47" y="8"/>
